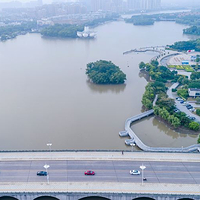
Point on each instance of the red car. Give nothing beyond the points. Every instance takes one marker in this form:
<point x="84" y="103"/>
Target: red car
<point x="89" y="172"/>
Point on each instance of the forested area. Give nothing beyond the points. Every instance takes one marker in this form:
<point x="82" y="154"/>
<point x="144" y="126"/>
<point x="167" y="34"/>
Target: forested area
<point x="105" y="72"/>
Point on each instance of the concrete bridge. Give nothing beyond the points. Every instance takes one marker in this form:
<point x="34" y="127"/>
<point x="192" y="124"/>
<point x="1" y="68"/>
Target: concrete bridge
<point x="92" y="196"/>
<point x="92" y="190"/>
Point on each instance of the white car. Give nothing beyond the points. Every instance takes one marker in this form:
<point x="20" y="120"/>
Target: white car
<point x="134" y="172"/>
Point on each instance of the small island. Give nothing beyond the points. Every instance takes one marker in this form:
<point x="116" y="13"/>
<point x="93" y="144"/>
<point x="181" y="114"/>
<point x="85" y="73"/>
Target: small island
<point x="105" y="72"/>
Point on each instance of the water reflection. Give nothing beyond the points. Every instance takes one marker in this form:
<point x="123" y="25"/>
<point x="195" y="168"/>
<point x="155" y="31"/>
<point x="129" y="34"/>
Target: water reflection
<point x="168" y="131"/>
<point x="44" y="92"/>
<point x="106" y="88"/>
<point x="174" y="133"/>
<point x="156" y="133"/>
<point x="143" y="74"/>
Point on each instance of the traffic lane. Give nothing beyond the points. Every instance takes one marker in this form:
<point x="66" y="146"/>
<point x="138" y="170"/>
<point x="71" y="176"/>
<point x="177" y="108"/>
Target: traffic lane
<point x="112" y="171"/>
<point x="12" y="165"/>
<point x="14" y="175"/>
<point x="89" y="165"/>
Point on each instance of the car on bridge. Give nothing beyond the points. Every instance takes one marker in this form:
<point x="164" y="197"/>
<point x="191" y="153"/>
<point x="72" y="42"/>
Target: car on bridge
<point x="89" y="172"/>
<point x="134" y="172"/>
<point x="42" y="173"/>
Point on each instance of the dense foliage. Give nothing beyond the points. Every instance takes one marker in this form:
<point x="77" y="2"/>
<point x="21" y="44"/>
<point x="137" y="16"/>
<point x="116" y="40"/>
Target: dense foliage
<point x="186" y="45"/>
<point x="164" y="105"/>
<point x="163" y="113"/>
<point x="194" y="84"/>
<point x="177" y="119"/>
<point x="105" y="72"/>
<point x="70" y="31"/>
<point x="183" y="93"/>
<point x="194" y="126"/>
<point x="141" y="20"/>
<point x="96" y="22"/>
<point x="198" y="111"/>
<point x="158" y="73"/>
<point x="62" y="30"/>
<point x="193" y="30"/>
<point x="11" y="31"/>
<point x="195" y="75"/>
<point x="189" y="18"/>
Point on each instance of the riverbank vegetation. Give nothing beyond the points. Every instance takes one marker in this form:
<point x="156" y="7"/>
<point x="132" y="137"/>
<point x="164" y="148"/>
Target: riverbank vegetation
<point x="70" y="31"/>
<point x="107" y="18"/>
<point x="105" y="72"/>
<point x="62" y="31"/>
<point x="191" y="18"/>
<point x="187" y="68"/>
<point x="159" y="76"/>
<point x="186" y="45"/>
<point x="12" y="31"/>
<point x="140" y="20"/>
<point x="193" y="30"/>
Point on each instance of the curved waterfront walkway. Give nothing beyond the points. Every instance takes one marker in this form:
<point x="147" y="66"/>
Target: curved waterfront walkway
<point x="134" y="139"/>
<point x="145" y="49"/>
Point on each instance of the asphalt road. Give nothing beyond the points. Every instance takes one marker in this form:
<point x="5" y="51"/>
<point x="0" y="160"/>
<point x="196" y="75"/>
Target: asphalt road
<point x="106" y="171"/>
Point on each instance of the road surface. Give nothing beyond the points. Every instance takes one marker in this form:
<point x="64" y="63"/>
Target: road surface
<point x="106" y="171"/>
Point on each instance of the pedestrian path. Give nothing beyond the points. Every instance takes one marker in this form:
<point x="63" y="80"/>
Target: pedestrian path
<point x="101" y="155"/>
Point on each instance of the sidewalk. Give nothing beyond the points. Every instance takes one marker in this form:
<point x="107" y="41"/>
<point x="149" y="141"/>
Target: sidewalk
<point x="81" y="155"/>
<point x="101" y="187"/>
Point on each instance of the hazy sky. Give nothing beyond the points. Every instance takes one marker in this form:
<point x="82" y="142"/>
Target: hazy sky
<point x="24" y="1"/>
<point x="163" y="1"/>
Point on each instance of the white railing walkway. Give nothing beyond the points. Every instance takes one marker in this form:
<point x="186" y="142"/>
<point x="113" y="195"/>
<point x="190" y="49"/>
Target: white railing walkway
<point x="135" y="140"/>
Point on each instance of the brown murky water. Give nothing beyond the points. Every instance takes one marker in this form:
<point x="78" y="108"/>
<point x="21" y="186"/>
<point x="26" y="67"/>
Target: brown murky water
<point x="45" y="96"/>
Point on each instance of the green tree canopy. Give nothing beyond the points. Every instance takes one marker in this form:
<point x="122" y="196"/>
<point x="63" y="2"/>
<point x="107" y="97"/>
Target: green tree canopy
<point x="62" y="30"/>
<point x="105" y="72"/>
<point x="194" y="126"/>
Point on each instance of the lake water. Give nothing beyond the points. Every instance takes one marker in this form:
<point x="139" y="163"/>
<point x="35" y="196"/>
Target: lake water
<point x="45" y="95"/>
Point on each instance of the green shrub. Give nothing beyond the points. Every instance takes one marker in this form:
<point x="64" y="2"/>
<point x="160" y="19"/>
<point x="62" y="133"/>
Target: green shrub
<point x="179" y="67"/>
<point x="194" y="126"/>
<point x="198" y="111"/>
<point x="188" y="68"/>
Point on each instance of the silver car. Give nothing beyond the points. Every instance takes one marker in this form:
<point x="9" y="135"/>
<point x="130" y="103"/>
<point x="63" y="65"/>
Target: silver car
<point x="134" y="172"/>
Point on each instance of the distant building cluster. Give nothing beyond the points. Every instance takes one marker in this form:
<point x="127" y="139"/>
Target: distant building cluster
<point x="144" y="4"/>
<point x="72" y="12"/>
<point x="122" y="5"/>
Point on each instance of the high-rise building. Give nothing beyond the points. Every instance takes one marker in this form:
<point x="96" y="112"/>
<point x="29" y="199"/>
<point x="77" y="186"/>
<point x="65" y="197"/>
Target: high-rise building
<point x="40" y="2"/>
<point x="104" y="5"/>
<point x="143" y="4"/>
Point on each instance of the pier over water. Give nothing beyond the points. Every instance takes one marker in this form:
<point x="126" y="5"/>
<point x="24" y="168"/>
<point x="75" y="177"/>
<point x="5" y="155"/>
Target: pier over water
<point x="158" y="49"/>
<point x="134" y="139"/>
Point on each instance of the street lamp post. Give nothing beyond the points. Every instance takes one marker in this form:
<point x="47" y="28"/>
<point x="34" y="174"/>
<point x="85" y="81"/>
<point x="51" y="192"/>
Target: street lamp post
<point x="46" y="167"/>
<point x="142" y="167"/>
<point x="132" y="144"/>
<point x="49" y="145"/>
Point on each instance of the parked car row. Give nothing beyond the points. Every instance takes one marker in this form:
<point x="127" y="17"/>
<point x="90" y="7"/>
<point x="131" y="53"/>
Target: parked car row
<point x="188" y="106"/>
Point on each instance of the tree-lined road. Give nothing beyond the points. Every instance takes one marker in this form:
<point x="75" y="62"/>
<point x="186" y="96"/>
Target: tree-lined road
<point x="106" y="171"/>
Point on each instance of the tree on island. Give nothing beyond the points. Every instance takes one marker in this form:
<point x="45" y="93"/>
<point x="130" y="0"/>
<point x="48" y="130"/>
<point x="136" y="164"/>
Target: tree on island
<point x="105" y="72"/>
